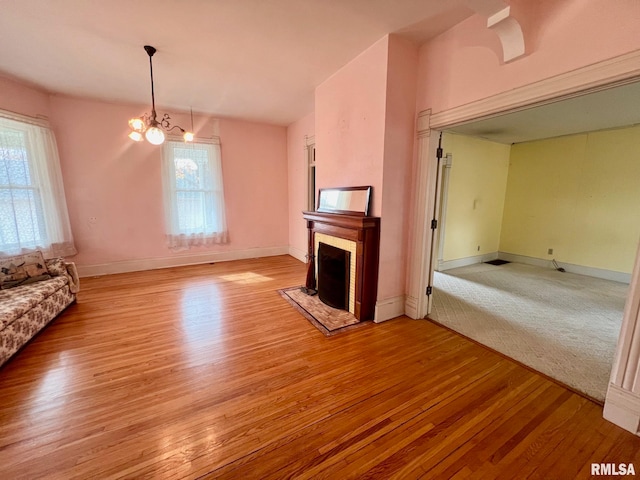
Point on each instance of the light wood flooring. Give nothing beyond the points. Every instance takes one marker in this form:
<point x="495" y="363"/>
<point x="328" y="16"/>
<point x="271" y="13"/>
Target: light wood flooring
<point x="205" y="371"/>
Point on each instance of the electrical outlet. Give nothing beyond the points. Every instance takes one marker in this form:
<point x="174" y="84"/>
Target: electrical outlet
<point x="550" y="251"/>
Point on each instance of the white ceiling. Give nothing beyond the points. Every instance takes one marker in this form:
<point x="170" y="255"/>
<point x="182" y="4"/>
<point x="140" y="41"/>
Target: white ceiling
<point x="252" y="59"/>
<point x="611" y="108"/>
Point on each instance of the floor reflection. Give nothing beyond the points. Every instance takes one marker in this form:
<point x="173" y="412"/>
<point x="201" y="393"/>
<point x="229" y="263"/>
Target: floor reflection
<point x="202" y="307"/>
<point x="52" y="389"/>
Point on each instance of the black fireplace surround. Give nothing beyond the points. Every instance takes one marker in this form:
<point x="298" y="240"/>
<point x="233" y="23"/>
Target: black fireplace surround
<point x="333" y="276"/>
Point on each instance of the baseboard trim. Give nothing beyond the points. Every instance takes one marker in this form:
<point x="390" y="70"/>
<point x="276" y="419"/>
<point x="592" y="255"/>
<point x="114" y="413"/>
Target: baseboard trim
<point x="464" y="262"/>
<point x="389" y="308"/>
<point x="411" y="307"/>
<point x="177" y="261"/>
<point x="298" y="254"/>
<point x="569" y="267"/>
<point x="622" y="408"/>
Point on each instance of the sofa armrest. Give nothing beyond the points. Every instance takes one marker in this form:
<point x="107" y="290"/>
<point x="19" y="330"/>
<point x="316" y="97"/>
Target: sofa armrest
<point x="72" y="275"/>
<point x="58" y="267"/>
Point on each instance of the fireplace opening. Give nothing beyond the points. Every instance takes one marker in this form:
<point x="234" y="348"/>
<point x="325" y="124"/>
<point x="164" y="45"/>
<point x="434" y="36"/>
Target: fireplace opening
<point x="333" y="276"/>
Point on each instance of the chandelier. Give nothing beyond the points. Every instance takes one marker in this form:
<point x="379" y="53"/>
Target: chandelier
<point x="149" y="125"/>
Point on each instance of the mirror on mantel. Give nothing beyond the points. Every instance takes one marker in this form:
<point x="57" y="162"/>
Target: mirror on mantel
<point x="345" y="200"/>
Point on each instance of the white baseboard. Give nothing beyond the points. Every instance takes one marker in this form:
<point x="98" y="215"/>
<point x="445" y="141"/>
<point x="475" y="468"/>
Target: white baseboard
<point x="389" y="308"/>
<point x="569" y="267"/>
<point x="463" y="262"/>
<point x="298" y="254"/>
<point x="411" y="307"/>
<point x="177" y="261"/>
<point x="622" y="408"/>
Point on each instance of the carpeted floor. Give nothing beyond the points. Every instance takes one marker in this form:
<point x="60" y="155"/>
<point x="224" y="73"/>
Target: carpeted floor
<point x="561" y="324"/>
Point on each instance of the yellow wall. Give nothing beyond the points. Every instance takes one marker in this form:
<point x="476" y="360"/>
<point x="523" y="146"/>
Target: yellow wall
<point x="477" y="184"/>
<point x="579" y="195"/>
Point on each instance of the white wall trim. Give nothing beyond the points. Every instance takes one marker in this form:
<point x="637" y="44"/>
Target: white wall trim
<point x="298" y="254"/>
<point x="39" y="120"/>
<point x="419" y="241"/>
<point x="177" y="261"/>
<point x="622" y="407"/>
<point x="411" y="306"/>
<point x="463" y="262"/>
<point x="537" y="262"/>
<point x="600" y="76"/>
<point x="509" y="32"/>
<point x="389" y="308"/>
<point x="569" y="267"/>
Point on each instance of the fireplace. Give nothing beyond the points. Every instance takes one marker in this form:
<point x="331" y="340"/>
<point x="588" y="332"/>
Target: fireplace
<point x="334" y="276"/>
<point x="359" y="236"/>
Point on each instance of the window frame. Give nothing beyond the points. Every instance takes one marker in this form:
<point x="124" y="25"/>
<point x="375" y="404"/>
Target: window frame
<point x="179" y="237"/>
<point x="48" y="210"/>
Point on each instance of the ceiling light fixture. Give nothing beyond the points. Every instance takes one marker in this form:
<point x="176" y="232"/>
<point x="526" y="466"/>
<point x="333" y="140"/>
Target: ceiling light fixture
<point x="149" y="125"/>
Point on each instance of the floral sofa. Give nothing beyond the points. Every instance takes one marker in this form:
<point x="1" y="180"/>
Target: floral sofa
<point x="33" y="291"/>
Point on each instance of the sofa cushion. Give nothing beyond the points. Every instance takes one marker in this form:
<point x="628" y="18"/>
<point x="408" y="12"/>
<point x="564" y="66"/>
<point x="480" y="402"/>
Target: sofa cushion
<point x="15" y="302"/>
<point x="22" y="269"/>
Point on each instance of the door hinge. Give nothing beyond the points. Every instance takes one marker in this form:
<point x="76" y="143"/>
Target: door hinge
<point x="429" y="290"/>
<point x="434" y="224"/>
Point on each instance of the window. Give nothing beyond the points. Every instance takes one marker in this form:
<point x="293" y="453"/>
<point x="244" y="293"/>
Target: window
<point x="33" y="211"/>
<point x="194" y="195"/>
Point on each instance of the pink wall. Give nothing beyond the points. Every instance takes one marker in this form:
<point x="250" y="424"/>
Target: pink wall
<point x="114" y="188"/>
<point x="463" y="64"/>
<point x="297" y="178"/>
<point x="350" y="122"/>
<point x="398" y="156"/>
<point x="19" y="98"/>
<point x="255" y="163"/>
<point x="118" y="182"/>
<point x="364" y="136"/>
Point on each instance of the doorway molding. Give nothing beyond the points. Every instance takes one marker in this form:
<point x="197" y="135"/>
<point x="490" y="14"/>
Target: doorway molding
<point x="604" y="75"/>
<point x="622" y="403"/>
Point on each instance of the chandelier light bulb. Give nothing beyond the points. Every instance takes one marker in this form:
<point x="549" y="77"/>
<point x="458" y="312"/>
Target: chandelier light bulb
<point x="188" y="136"/>
<point x="136" y="136"/>
<point x="136" y="124"/>
<point x="155" y="136"/>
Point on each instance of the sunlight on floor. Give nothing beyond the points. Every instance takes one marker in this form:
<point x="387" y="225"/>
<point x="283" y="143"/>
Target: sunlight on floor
<point x="246" y="278"/>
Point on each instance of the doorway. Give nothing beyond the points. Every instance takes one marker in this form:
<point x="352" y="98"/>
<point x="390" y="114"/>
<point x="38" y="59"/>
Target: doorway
<point x="563" y="324"/>
<point x="480" y="248"/>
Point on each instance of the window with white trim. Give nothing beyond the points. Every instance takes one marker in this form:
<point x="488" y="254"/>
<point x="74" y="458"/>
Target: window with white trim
<point x="33" y="211"/>
<point x="193" y="194"/>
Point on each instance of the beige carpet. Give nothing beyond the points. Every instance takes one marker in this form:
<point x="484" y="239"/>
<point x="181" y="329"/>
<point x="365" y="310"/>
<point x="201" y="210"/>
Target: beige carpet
<point x="327" y="319"/>
<point x="561" y="324"/>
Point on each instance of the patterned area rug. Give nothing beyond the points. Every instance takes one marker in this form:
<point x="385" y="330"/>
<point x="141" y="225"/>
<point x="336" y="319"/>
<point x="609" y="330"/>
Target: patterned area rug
<point x="327" y="319"/>
<point x="561" y="324"/>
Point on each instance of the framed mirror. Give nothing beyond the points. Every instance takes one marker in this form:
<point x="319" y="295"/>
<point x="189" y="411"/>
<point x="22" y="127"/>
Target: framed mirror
<point x="345" y="200"/>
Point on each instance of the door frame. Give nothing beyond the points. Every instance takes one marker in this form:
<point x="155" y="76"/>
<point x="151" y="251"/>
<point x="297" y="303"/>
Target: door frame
<point x="607" y="74"/>
<point x="622" y="403"/>
<point x="447" y="163"/>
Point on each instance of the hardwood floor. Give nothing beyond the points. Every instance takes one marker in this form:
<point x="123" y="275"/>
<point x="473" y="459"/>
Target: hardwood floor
<point x="205" y="371"/>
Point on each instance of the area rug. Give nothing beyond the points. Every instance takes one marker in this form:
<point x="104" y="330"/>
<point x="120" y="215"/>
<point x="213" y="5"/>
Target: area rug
<point x="561" y="324"/>
<point x="327" y="319"/>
